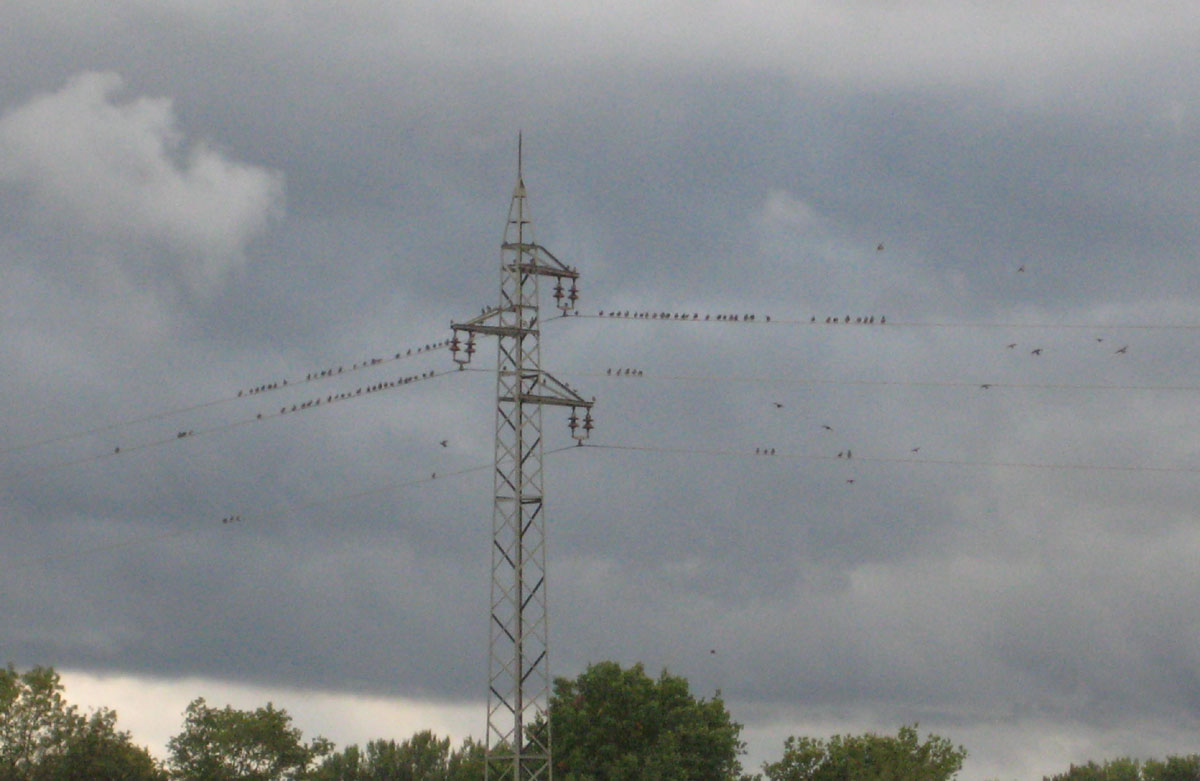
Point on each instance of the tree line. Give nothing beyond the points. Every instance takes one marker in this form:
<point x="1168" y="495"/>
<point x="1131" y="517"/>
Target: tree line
<point x="609" y="724"/>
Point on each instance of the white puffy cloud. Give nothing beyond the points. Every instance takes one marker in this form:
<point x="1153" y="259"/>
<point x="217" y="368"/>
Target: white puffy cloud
<point x="123" y="173"/>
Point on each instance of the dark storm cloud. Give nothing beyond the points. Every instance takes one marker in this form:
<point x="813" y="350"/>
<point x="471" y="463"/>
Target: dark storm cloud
<point x="702" y="162"/>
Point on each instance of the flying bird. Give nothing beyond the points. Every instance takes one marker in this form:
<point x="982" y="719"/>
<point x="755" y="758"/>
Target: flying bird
<point x="879" y="248"/>
<point x="1011" y="346"/>
<point x="777" y="405"/>
<point x="444" y="443"/>
<point x="1123" y="349"/>
<point x="1038" y="351"/>
<point x="1021" y="268"/>
<point x="827" y="427"/>
<point x="915" y="449"/>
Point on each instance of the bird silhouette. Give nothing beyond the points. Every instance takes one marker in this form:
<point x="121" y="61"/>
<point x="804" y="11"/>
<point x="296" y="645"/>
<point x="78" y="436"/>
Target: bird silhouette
<point x="827" y="427"/>
<point x="445" y="443"/>
<point x="777" y="405"/>
<point x="1038" y="351"/>
<point x="879" y="248"/>
<point x="1021" y="268"/>
<point x="1123" y="349"/>
<point x="985" y="386"/>
<point x="1011" y="345"/>
<point x="916" y="449"/>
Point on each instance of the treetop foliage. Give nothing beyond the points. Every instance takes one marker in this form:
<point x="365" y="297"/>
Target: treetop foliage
<point x="423" y="757"/>
<point x="608" y="724"/>
<point x="236" y="745"/>
<point x="42" y="738"/>
<point x="868" y="757"/>
<point x="1176" y="768"/>
<point x="614" y="724"/>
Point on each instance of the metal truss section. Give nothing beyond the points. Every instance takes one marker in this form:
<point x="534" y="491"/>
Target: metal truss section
<point x="519" y="684"/>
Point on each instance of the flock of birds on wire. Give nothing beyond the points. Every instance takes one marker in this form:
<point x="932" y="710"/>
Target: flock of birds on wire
<point x="742" y="318"/>
<point x="331" y="372"/>
<point x="614" y="372"/>
<point x="627" y="314"/>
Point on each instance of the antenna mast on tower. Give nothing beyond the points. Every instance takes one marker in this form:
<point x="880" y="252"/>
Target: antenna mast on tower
<point x="518" y="728"/>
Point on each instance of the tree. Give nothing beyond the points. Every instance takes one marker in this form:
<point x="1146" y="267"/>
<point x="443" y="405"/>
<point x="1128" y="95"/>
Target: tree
<point x="1120" y="769"/>
<point x="229" y="745"/>
<point x="1173" y="768"/>
<point x="423" y="757"/>
<point x="42" y="738"/>
<point x="611" y="724"/>
<point x="868" y="757"/>
<point x="467" y="762"/>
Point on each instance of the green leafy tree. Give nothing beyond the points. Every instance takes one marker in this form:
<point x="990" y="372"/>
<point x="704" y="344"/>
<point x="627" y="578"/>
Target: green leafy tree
<point x="1176" y="768"/>
<point x="42" y="738"/>
<point x="1173" y="769"/>
<point x="1120" y="769"/>
<point x="467" y="762"/>
<point x="236" y="745"/>
<point x="868" y="757"/>
<point x="423" y="757"/>
<point x="614" y="724"/>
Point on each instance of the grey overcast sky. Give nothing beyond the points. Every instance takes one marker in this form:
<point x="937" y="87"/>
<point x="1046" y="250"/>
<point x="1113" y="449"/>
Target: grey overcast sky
<point x="201" y="197"/>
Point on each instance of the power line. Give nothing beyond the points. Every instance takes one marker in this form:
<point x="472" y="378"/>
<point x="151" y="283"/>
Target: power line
<point x="641" y="374"/>
<point x="341" y="371"/>
<point x="692" y="317"/>
<point x="289" y="411"/>
<point x="738" y="452"/>
<point x="278" y="512"/>
<point x="251" y="392"/>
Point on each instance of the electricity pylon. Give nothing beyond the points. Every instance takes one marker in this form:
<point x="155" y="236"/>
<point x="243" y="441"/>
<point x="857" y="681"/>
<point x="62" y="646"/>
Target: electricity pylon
<point x="518" y="728"/>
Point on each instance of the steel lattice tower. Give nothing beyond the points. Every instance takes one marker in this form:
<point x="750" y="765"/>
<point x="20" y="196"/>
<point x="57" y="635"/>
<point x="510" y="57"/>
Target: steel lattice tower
<point x="518" y="728"/>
